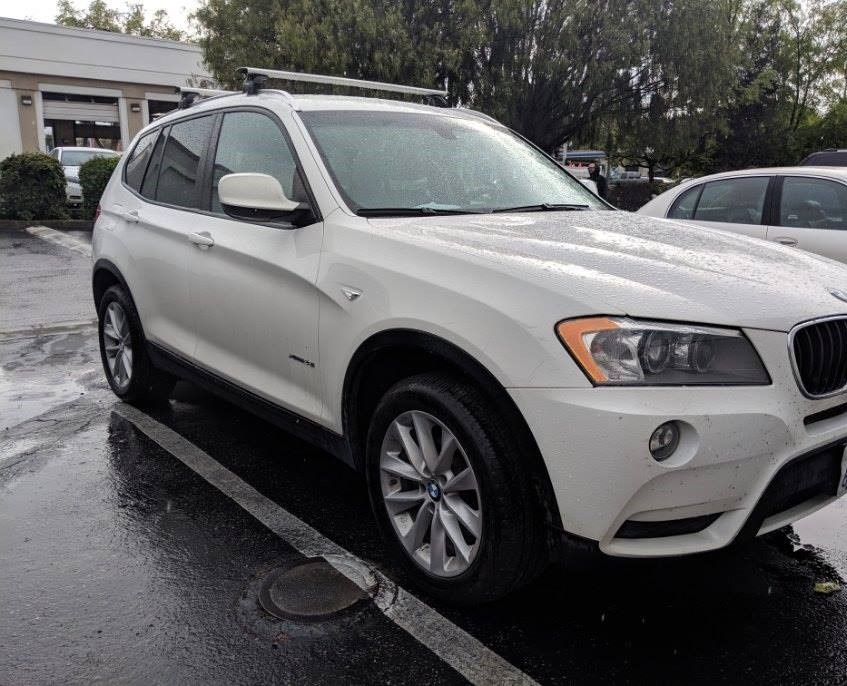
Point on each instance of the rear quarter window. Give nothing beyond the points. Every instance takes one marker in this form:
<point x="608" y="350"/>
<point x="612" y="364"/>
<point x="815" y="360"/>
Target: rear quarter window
<point x="138" y="160"/>
<point x="683" y="207"/>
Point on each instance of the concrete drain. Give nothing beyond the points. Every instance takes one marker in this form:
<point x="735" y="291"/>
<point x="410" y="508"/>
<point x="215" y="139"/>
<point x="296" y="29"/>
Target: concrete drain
<point x="315" y="589"/>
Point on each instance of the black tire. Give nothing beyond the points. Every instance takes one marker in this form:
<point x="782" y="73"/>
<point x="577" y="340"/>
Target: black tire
<point x="512" y="549"/>
<point x="146" y="385"/>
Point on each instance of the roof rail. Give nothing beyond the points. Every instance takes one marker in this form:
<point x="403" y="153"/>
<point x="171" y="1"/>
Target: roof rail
<point x="188" y="95"/>
<point x="256" y="76"/>
<point x="478" y="115"/>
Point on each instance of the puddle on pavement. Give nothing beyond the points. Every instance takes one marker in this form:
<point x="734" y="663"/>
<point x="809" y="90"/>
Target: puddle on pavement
<point x="826" y="530"/>
<point x="40" y="372"/>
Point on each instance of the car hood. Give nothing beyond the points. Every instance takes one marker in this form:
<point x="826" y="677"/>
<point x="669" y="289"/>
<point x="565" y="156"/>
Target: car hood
<point x="620" y="263"/>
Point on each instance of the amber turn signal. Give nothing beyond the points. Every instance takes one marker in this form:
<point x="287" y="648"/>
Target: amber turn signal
<point x="572" y="333"/>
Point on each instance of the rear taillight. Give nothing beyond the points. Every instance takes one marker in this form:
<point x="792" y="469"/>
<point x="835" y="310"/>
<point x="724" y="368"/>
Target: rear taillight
<point x="97" y="213"/>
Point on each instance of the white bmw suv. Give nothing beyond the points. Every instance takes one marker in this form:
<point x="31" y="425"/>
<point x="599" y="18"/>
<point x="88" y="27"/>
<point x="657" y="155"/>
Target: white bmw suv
<point x="518" y="370"/>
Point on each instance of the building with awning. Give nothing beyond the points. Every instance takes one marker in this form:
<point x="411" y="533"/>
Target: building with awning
<point x="62" y="86"/>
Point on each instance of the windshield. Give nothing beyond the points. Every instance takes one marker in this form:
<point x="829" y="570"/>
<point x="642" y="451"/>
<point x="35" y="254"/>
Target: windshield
<point x="433" y="163"/>
<point x="76" y="158"/>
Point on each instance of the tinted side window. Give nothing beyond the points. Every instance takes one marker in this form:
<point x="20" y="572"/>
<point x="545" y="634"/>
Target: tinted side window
<point x="179" y="174"/>
<point x="136" y="165"/>
<point x="835" y="158"/>
<point x="253" y="142"/>
<point x="813" y="204"/>
<point x="737" y="201"/>
<point x="148" y="186"/>
<point x="683" y="206"/>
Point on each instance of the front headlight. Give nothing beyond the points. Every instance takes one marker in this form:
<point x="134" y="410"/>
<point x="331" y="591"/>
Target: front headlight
<point x="626" y="352"/>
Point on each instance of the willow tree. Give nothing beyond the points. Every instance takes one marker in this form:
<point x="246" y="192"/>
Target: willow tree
<point x="545" y="67"/>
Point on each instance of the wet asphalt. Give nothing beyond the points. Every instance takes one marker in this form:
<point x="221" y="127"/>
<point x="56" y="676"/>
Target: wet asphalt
<point x="119" y="564"/>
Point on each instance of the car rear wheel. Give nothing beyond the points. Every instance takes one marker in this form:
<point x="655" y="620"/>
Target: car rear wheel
<point x="129" y="371"/>
<point x="450" y="491"/>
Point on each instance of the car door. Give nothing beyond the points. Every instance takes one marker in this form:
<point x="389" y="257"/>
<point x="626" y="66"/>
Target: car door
<point x="732" y="204"/>
<point x="811" y="215"/>
<point x="163" y="173"/>
<point x="253" y="287"/>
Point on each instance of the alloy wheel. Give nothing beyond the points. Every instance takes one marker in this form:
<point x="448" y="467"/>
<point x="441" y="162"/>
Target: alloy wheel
<point x="117" y="344"/>
<point x="431" y="494"/>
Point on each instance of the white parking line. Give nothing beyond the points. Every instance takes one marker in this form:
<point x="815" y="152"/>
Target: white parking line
<point x="453" y="645"/>
<point x="60" y="238"/>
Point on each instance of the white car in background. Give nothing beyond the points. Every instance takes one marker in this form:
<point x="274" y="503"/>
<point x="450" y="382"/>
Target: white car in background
<point x="804" y="207"/>
<point x="71" y="159"/>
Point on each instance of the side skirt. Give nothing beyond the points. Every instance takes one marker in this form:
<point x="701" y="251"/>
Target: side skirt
<point x="285" y="419"/>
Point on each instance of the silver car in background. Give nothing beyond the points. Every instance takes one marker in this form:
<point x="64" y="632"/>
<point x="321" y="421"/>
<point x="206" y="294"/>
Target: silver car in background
<point x="804" y="207"/>
<point x="71" y="159"/>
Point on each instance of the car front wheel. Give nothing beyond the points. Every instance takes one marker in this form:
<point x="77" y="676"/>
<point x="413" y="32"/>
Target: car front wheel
<point x="450" y="491"/>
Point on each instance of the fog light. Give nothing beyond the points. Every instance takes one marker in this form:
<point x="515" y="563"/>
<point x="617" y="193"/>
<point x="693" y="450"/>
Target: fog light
<point x="664" y="441"/>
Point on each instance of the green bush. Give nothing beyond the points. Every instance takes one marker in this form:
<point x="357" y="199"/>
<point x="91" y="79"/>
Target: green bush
<point x="93" y="177"/>
<point x="32" y="186"/>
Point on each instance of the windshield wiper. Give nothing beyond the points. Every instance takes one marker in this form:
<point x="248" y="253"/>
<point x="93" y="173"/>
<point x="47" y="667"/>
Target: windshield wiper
<point x="543" y="207"/>
<point x="431" y="211"/>
<point x="409" y="211"/>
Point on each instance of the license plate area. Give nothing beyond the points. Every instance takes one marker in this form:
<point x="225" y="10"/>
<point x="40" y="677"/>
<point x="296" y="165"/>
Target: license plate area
<point x="821" y="473"/>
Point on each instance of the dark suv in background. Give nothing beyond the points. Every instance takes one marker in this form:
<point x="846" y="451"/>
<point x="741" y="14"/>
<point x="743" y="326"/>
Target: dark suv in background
<point x="826" y="158"/>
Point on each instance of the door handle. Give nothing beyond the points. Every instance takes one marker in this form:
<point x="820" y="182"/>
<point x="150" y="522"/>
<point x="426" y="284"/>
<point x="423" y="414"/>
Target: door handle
<point x="131" y="217"/>
<point x="786" y="240"/>
<point x="202" y="240"/>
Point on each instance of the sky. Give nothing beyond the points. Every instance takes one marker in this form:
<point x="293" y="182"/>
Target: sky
<point x="45" y="10"/>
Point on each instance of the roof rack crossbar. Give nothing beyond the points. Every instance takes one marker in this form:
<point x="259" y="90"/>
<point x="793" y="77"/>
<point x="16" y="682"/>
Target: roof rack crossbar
<point x="188" y="95"/>
<point x="251" y="72"/>
<point x="204" y="92"/>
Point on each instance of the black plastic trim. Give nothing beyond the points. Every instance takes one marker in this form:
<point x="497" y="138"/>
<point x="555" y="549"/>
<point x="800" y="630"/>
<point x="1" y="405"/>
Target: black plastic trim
<point x="830" y="413"/>
<point x="669" y="527"/>
<point x="106" y="265"/>
<point x="770" y="215"/>
<point x="285" y="419"/>
<point x="766" y="505"/>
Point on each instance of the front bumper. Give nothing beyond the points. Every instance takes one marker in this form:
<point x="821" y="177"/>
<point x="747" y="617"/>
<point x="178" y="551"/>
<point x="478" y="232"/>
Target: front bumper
<point x="735" y="441"/>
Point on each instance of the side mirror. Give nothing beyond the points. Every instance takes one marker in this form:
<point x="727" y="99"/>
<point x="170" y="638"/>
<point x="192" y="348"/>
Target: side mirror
<point x="259" y="197"/>
<point x="590" y="185"/>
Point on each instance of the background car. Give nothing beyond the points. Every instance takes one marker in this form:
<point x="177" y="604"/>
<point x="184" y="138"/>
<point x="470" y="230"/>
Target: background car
<point x="71" y="159"/>
<point x="826" y="158"/>
<point x="804" y="207"/>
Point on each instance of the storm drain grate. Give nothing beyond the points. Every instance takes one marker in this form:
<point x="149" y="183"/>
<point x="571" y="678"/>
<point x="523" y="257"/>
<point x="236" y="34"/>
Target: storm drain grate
<point x="310" y="590"/>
